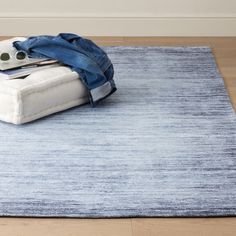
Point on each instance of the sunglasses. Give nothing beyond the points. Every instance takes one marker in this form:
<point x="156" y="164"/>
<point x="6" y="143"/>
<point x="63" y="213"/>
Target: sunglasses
<point x="19" y="55"/>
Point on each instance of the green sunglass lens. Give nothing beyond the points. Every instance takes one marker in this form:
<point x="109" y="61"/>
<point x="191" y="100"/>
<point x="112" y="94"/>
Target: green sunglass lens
<point x="5" y="56"/>
<point x="20" y="55"/>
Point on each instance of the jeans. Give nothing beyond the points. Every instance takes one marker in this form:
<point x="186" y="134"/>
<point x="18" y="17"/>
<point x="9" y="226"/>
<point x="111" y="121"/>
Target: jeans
<point x="82" y="55"/>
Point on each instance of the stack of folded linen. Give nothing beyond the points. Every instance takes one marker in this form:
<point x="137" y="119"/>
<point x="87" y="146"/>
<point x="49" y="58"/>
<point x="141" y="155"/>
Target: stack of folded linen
<point x="41" y="93"/>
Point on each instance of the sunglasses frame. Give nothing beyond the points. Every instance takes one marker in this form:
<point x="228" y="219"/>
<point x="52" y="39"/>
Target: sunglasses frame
<point x="16" y="56"/>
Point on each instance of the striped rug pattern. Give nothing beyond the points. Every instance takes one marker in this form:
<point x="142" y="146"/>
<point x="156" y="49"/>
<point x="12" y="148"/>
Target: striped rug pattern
<point x="163" y="145"/>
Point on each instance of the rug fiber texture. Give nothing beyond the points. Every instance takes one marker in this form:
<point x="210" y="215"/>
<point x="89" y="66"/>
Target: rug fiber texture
<point x="163" y="145"/>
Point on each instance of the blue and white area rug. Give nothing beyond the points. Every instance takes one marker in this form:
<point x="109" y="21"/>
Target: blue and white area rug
<point x="163" y="145"/>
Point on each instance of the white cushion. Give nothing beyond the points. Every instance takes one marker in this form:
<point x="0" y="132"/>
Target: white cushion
<point x="40" y="94"/>
<point x="6" y="45"/>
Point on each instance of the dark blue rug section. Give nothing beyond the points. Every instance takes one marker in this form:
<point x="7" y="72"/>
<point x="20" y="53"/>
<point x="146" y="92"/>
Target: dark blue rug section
<point x="163" y="145"/>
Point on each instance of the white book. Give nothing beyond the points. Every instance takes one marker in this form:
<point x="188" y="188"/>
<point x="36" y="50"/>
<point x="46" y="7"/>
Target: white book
<point x="18" y="63"/>
<point x="24" y="71"/>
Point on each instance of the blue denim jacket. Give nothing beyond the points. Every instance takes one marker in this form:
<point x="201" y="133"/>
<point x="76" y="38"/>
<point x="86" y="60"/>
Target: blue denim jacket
<point x="82" y="55"/>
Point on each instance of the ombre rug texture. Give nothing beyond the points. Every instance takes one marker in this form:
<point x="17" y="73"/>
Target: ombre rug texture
<point x="164" y="145"/>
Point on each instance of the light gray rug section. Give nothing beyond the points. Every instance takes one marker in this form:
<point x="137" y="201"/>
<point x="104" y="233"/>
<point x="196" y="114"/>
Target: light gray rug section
<point x="163" y="145"/>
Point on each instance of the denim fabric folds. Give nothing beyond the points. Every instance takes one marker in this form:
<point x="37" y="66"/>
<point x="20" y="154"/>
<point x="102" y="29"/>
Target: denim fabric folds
<point x="82" y="55"/>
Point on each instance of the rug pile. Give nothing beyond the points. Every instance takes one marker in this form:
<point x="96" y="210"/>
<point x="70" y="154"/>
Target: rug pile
<point x="163" y="145"/>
